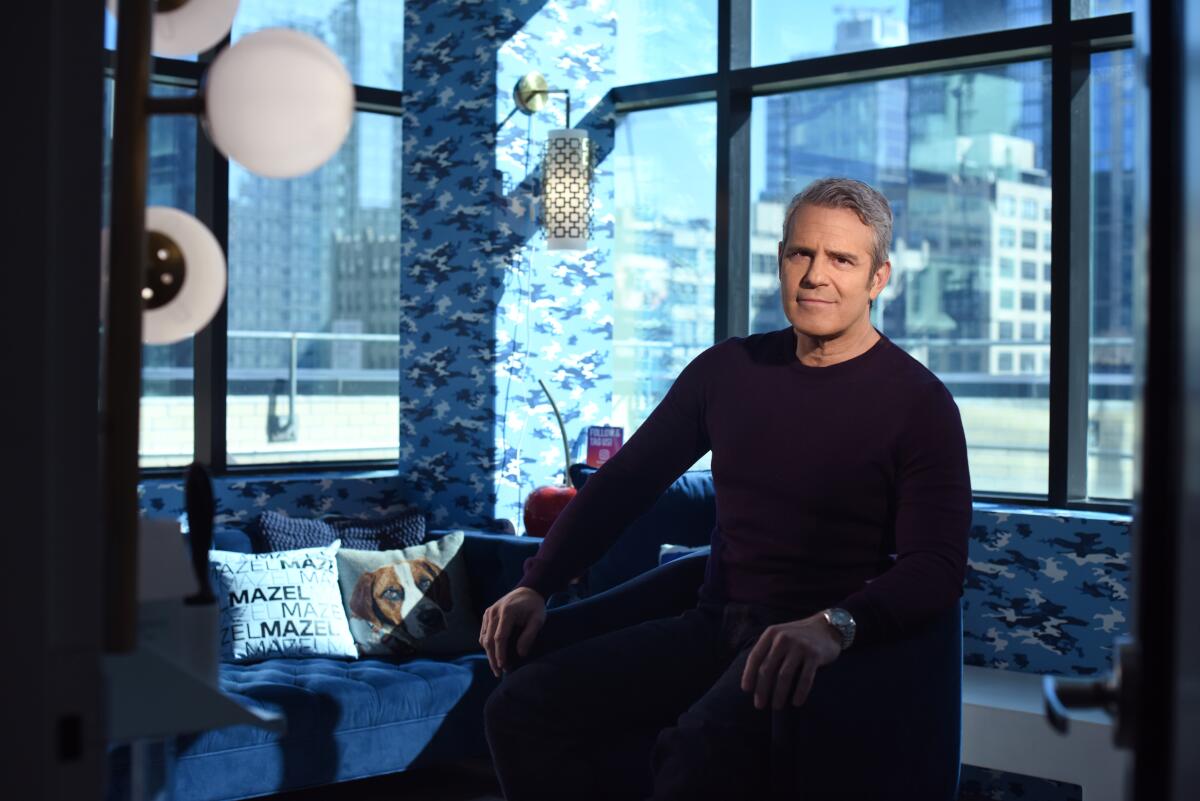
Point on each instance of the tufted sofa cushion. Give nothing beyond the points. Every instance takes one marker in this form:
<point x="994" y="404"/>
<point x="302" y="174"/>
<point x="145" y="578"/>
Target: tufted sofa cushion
<point x="346" y="720"/>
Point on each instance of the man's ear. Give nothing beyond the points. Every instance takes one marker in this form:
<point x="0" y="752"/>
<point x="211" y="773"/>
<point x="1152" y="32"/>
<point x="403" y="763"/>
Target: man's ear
<point x="779" y="260"/>
<point x="881" y="278"/>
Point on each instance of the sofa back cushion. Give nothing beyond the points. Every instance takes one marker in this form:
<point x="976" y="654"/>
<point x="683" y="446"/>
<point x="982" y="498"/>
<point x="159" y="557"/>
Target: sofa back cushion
<point x="683" y="515"/>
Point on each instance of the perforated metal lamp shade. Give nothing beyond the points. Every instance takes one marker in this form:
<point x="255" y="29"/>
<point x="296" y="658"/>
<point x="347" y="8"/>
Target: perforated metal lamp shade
<point x="567" y="190"/>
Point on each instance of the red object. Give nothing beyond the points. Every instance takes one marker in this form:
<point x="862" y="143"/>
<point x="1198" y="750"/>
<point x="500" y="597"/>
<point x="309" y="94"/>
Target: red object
<point x="603" y="442"/>
<point x="543" y="507"/>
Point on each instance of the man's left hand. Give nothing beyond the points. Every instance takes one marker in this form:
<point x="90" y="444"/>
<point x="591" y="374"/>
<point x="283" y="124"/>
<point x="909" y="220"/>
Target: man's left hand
<point x="785" y="659"/>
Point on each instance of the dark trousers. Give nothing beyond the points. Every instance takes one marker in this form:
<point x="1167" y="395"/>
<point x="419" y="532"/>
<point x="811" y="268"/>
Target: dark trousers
<point x="671" y="683"/>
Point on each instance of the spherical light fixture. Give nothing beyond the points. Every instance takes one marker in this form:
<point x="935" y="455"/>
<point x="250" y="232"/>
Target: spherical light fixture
<point x="187" y="27"/>
<point x="278" y="102"/>
<point x="185" y="276"/>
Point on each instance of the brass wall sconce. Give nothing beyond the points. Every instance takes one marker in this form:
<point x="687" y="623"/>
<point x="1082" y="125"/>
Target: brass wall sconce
<point x="566" y="170"/>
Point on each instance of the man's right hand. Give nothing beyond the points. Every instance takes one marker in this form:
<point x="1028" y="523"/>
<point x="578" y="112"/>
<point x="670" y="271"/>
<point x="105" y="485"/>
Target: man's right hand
<point x="523" y="610"/>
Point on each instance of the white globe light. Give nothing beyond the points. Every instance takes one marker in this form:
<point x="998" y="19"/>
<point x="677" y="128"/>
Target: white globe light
<point x="199" y="294"/>
<point x="278" y="102"/>
<point x="192" y="28"/>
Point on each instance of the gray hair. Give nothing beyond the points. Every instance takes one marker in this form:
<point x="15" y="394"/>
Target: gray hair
<point x="864" y="200"/>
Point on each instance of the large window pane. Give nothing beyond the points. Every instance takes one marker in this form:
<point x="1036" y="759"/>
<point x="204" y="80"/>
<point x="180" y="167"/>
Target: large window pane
<point x="314" y="306"/>
<point x="1110" y="399"/>
<point x="665" y="174"/>
<point x="963" y="159"/>
<point x="367" y="35"/>
<point x="167" y="407"/>
<point x="784" y="30"/>
<point x="661" y="39"/>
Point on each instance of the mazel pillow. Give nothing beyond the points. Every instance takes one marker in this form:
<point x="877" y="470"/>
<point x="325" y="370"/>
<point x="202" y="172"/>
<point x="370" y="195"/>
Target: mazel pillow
<point x="279" y="532"/>
<point x="280" y="604"/>
<point x="409" y="601"/>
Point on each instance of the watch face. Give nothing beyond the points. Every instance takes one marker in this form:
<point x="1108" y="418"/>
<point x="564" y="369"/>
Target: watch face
<point x="840" y="617"/>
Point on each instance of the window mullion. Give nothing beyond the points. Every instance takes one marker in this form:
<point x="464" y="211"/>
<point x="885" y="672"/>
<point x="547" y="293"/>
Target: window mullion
<point x="211" y="348"/>
<point x="1070" y="303"/>
<point x="732" y="232"/>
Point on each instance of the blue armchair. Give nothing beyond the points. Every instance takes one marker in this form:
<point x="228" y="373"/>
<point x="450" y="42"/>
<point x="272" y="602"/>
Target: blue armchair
<point x="882" y="722"/>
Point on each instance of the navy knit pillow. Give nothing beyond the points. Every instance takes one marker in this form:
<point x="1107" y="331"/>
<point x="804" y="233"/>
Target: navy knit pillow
<point x="278" y="532"/>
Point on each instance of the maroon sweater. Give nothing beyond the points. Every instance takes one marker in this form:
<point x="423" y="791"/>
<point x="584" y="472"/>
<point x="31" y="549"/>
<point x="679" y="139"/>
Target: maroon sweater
<point x="844" y="485"/>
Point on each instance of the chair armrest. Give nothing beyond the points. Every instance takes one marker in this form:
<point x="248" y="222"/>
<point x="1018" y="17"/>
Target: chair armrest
<point x="495" y="563"/>
<point x="665" y="591"/>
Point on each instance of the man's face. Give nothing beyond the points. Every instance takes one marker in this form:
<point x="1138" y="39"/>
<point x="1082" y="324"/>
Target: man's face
<point x="824" y="272"/>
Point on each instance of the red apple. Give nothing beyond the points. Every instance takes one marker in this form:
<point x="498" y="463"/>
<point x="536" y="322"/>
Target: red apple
<point x="543" y="507"/>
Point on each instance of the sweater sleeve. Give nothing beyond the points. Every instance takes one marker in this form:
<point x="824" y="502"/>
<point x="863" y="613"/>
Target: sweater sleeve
<point x="670" y="441"/>
<point x="933" y="518"/>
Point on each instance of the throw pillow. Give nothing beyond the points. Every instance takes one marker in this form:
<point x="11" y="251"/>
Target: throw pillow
<point x="280" y="604"/>
<point x="409" y="601"/>
<point x="278" y="532"/>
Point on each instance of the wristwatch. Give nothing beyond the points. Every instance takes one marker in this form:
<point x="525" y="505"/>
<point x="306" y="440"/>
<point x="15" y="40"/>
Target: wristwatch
<point x="843" y="621"/>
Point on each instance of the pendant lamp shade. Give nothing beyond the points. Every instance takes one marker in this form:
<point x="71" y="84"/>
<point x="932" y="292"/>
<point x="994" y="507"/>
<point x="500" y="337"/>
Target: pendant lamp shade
<point x="188" y="28"/>
<point x="185" y="276"/>
<point x="278" y="102"/>
<point x="567" y="189"/>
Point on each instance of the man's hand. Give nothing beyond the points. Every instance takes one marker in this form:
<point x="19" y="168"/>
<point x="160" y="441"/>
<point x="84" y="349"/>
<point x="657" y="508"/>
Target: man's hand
<point x="787" y="656"/>
<point x="523" y="610"/>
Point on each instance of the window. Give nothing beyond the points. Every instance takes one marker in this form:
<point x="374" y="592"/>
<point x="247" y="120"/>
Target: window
<point x="916" y="149"/>
<point x="306" y="369"/>
<point x="313" y="272"/>
<point x="664" y="39"/>
<point x="663" y="296"/>
<point x="782" y="32"/>
<point x="962" y="153"/>
<point x="1029" y="331"/>
<point x="1029" y="270"/>
<point x="367" y="35"/>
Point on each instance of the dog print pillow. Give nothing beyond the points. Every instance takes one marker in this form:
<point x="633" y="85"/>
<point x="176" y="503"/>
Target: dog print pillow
<point x="409" y="601"/>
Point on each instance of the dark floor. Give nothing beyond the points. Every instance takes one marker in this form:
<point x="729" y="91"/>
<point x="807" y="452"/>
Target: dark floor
<point x="473" y="780"/>
<point x="467" y="780"/>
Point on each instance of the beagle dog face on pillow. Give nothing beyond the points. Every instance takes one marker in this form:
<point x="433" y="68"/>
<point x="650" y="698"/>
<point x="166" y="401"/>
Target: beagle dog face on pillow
<point x="409" y="597"/>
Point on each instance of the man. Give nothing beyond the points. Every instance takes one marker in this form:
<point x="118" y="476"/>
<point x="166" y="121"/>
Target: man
<point x="843" y="504"/>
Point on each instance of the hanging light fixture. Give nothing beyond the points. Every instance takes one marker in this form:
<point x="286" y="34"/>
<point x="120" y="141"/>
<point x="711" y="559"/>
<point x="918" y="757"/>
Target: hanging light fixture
<point x="280" y="103"/>
<point x="566" y="170"/>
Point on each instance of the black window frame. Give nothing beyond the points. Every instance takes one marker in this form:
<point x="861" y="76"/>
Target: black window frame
<point x="1066" y="42"/>
<point x="210" y="379"/>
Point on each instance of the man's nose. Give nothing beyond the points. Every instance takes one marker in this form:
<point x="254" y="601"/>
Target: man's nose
<point x="815" y="275"/>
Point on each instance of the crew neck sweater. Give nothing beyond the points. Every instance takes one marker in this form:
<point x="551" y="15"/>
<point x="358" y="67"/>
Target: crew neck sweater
<point x="838" y="486"/>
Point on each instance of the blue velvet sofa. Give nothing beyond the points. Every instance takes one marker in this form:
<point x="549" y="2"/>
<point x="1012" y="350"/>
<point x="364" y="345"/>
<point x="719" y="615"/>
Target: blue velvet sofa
<point x="349" y="719"/>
